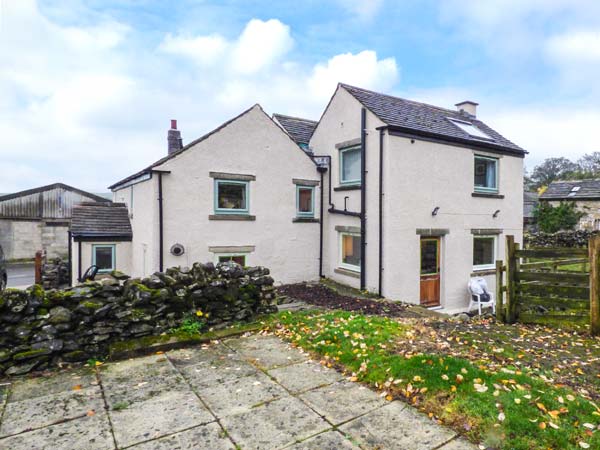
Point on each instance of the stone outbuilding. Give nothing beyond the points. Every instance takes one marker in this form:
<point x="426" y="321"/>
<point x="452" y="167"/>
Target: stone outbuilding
<point x="38" y="219"/>
<point x="585" y="194"/>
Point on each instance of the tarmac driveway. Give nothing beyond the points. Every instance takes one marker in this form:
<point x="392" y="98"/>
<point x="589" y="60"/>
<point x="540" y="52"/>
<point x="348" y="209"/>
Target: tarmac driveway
<point x="20" y="275"/>
<point x="253" y="392"/>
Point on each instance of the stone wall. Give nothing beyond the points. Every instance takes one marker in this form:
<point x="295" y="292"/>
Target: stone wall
<point x="20" y="239"/>
<point x="577" y="238"/>
<point x="55" y="273"/>
<point x="41" y="328"/>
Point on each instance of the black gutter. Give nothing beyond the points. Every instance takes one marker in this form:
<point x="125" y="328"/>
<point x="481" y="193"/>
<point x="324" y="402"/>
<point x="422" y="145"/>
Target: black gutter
<point x="363" y="198"/>
<point x="345" y="213"/>
<point x="79" y="261"/>
<point x="71" y="259"/>
<point x="381" y="134"/>
<point x="321" y="170"/>
<point x="160" y="224"/>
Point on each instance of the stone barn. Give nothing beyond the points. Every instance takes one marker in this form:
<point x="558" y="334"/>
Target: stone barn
<point x="38" y="219"/>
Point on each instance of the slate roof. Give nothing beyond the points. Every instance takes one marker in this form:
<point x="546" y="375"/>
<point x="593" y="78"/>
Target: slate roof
<point x="101" y="220"/>
<point x="300" y="130"/>
<point x="411" y="116"/>
<point x="563" y="190"/>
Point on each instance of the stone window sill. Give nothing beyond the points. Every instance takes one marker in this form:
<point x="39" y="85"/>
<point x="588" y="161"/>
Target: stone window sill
<point x="352" y="187"/>
<point x="486" y="195"/>
<point x="231" y="217"/>
<point x="305" y="220"/>
<point x="346" y="272"/>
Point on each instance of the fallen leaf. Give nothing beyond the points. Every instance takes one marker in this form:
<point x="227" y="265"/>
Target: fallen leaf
<point x="77" y="387"/>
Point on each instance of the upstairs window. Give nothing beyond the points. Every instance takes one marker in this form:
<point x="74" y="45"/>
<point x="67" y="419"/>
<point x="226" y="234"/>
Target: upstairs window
<point x="103" y="257"/>
<point x="470" y="129"/>
<point x="484" y="252"/>
<point x="350" y="165"/>
<point x="305" y="201"/>
<point x="231" y="197"/>
<point x="350" y="255"/>
<point x="486" y="174"/>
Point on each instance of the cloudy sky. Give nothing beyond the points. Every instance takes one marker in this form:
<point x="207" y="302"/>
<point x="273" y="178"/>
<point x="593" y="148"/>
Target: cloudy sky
<point x="87" y="88"/>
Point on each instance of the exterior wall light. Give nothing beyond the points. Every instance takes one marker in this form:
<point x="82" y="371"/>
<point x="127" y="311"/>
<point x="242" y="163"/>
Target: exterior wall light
<point x="435" y="211"/>
<point x="496" y="213"/>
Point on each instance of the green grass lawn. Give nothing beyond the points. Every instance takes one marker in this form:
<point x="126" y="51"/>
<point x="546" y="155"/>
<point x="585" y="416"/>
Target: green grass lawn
<point x="501" y="405"/>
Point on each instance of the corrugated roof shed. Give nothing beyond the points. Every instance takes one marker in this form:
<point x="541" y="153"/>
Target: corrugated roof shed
<point x="572" y="190"/>
<point x="300" y="130"/>
<point x="96" y="220"/>
<point x="431" y="120"/>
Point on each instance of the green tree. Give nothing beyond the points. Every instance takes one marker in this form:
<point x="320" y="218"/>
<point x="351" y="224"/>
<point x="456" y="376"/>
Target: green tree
<point x="551" y="219"/>
<point x="553" y="169"/>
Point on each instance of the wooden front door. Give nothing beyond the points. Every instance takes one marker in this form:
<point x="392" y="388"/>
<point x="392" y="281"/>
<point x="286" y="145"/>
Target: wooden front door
<point x="430" y="271"/>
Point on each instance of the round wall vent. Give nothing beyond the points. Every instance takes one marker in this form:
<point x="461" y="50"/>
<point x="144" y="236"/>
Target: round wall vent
<point x="177" y="250"/>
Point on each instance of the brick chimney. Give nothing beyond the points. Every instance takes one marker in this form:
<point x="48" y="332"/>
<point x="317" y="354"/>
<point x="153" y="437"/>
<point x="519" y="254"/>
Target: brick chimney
<point x="468" y="107"/>
<point x="174" y="138"/>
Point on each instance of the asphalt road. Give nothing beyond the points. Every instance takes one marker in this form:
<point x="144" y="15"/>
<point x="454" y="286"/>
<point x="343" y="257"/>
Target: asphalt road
<point x="20" y="275"/>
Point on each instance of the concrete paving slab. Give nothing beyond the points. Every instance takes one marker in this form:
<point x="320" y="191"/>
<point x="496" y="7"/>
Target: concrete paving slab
<point x="267" y="352"/>
<point x="217" y="371"/>
<point x="342" y="401"/>
<point x="200" y="354"/>
<point x="167" y="413"/>
<point x="42" y="411"/>
<point x="459" y="444"/>
<point x="304" y="376"/>
<point x="210" y="437"/>
<point x="396" y="426"/>
<point x="330" y="440"/>
<point x="53" y="383"/>
<point x="274" y="425"/>
<point x="242" y="394"/>
<point x="86" y="433"/>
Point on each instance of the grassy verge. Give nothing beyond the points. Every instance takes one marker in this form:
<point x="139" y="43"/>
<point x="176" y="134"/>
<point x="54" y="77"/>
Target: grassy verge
<point x="503" y="409"/>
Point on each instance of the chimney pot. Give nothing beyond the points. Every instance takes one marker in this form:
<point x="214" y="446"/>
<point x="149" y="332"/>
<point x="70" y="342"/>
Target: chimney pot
<point x="468" y="107"/>
<point x="173" y="124"/>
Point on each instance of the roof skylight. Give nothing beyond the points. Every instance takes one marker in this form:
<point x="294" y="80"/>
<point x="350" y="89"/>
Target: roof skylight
<point x="470" y="129"/>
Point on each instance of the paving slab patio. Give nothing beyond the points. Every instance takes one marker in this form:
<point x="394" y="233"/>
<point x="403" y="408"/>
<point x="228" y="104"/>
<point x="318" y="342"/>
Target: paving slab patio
<point x="252" y="392"/>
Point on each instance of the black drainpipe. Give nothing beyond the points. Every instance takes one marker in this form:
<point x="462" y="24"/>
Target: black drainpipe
<point x="363" y="197"/>
<point x="321" y="219"/>
<point x="70" y="259"/>
<point x="381" y="131"/>
<point x="160" y="224"/>
<point x="79" y="261"/>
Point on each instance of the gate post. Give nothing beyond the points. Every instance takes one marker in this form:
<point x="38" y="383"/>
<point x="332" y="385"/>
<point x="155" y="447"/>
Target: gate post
<point x="510" y="278"/>
<point x="594" y="255"/>
<point x="500" y="316"/>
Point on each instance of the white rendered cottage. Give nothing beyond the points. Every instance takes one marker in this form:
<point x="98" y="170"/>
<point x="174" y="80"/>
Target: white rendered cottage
<point x="415" y="199"/>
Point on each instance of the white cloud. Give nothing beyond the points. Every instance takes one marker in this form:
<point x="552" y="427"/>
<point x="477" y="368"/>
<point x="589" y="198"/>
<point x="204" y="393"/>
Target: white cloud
<point x="362" y="69"/>
<point x="576" y="46"/>
<point x="88" y="105"/>
<point x="362" y="9"/>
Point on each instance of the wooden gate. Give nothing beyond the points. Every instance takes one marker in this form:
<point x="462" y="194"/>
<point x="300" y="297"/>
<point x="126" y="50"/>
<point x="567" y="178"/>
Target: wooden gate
<point x="550" y="285"/>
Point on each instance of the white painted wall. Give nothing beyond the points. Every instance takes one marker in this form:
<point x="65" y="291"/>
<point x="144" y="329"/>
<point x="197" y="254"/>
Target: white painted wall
<point x="122" y="257"/>
<point x="253" y="145"/>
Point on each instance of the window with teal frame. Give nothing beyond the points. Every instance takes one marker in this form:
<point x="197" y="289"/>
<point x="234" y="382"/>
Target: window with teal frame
<point x="231" y="197"/>
<point x="350" y="165"/>
<point x="104" y="257"/>
<point x="486" y="174"/>
<point x="305" y="201"/>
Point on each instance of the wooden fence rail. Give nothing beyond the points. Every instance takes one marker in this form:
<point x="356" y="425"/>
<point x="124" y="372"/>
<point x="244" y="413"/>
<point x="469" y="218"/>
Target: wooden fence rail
<point x="538" y="292"/>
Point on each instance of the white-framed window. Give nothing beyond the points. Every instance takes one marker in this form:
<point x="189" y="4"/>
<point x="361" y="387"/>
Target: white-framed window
<point x="305" y="201"/>
<point x="232" y="197"/>
<point x="350" y="255"/>
<point x="350" y="159"/>
<point x="486" y="174"/>
<point x="239" y="258"/>
<point x="484" y="252"/>
<point x="104" y="257"/>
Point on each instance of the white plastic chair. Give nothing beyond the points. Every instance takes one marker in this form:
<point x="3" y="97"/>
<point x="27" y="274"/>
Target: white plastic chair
<point x="476" y="287"/>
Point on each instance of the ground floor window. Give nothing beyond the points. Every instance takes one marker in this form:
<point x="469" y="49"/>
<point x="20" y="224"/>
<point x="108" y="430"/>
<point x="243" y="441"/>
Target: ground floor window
<point x="103" y="257"/>
<point x="236" y="258"/>
<point x="350" y="256"/>
<point x="484" y="252"/>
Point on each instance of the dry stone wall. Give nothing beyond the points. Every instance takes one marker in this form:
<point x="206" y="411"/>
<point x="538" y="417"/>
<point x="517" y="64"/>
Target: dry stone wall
<point x="41" y="328"/>
<point x="577" y="238"/>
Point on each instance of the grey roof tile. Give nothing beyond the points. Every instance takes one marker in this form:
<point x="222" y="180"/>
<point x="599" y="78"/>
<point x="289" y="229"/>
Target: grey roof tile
<point x="300" y="130"/>
<point x="101" y="220"/>
<point x="563" y="190"/>
<point x="429" y="119"/>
